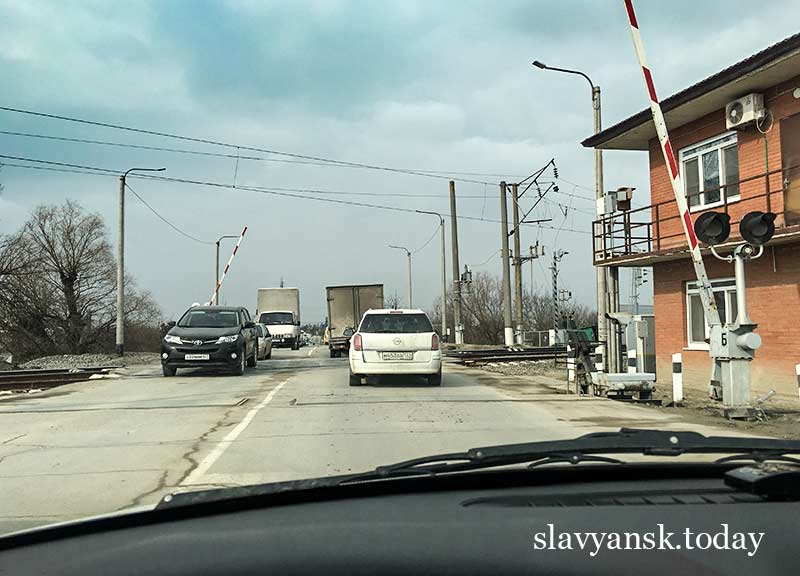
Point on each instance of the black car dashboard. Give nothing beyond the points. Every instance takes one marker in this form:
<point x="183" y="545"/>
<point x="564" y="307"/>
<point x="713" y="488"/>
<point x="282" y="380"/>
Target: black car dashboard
<point x="528" y="522"/>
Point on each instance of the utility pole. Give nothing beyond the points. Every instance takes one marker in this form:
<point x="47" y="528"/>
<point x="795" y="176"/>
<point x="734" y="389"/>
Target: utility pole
<point x="216" y="269"/>
<point x="458" y="328"/>
<point x="557" y="256"/>
<point x="408" y="255"/>
<point x="517" y="265"/>
<point x="444" y="270"/>
<point x="120" y="327"/>
<point x="602" y="321"/>
<point x="508" y="330"/>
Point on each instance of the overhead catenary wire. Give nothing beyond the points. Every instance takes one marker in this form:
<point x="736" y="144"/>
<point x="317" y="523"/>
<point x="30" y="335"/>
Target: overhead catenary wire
<point x="224" y="155"/>
<point x="209" y="141"/>
<point x="98" y="171"/>
<point x="167" y="222"/>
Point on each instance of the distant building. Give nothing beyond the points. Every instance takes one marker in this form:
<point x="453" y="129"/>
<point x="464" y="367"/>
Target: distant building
<point x="736" y="170"/>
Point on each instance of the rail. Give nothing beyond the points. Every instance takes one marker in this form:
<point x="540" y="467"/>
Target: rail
<point x="26" y="380"/>
<point x="657" y="227"/>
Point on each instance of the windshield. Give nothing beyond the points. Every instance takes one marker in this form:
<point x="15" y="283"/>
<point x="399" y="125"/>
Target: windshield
<point x="209" y="319"/>
<point x="275" y="318"/>
<point x="396" y="323"/>
<point x="340" y="171"/>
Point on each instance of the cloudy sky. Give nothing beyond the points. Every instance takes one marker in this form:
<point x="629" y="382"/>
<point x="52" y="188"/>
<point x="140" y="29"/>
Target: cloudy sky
<point x="434" y="86"/>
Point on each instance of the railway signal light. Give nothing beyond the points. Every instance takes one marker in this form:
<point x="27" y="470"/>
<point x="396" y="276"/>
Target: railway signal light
<point x="757" y="227"/>
<point x="712" y="227"/>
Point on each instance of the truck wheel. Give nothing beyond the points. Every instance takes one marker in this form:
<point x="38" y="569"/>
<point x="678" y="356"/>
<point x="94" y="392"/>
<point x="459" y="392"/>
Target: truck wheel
<point x="253" y="360"/>
<point x="333" y="353"/>
<point x="355" y="379"/>
<point x="295" y="344"/>
<point x="167" y="371"/>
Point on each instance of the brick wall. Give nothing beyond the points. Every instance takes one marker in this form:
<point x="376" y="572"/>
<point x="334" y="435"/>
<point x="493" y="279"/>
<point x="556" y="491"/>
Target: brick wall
<point x="780" y="101"/>
<point x="773" y="293"/>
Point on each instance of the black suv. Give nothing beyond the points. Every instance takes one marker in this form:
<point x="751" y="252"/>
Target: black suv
<point x="214" y="336"/>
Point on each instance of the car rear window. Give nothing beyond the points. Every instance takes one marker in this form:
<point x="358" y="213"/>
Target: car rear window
<point x="396" y="324"/>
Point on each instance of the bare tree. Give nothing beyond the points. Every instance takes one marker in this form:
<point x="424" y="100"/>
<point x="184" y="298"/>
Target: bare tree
<point x="60" y="295"/>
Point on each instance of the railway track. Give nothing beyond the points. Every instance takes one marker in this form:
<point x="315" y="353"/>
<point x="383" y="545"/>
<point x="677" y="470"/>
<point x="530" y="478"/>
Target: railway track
<point x="517" y="354"/>
<point x="25" y="380"/>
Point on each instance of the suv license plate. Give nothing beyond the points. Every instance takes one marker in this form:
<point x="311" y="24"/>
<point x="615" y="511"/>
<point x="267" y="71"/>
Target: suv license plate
<point x="196" y="357"/>
<point x="397" y="356"/>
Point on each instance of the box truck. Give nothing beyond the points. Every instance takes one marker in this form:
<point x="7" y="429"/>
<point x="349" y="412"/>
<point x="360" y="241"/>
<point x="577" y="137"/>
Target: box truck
<point x="279" y="309"/>
<point x="346" y="305"/>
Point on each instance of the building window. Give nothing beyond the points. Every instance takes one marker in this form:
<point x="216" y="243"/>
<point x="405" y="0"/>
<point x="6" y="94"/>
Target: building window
<point x="707" y="169"/>
<point x="697" y="327"/>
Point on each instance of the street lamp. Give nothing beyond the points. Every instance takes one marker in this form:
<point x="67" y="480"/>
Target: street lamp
<point x="216" y="276"/>
<point x="598" y="175"/>
<point x="444" y="272"/>
<point x="120" y="338"/>
<point x="408" y="253"/>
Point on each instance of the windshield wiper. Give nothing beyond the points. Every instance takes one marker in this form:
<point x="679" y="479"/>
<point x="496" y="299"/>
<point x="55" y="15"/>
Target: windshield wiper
<point x="589" y="448"/>
<point x="594" y="447"/>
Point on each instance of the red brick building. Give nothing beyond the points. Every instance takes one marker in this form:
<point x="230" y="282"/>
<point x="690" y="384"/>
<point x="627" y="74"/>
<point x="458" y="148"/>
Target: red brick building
<point x="752" y="167"/>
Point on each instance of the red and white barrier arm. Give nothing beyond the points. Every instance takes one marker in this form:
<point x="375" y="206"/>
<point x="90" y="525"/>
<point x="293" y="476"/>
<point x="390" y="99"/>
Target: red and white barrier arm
<point x="706" y="294"/>
<point x="227" y="266"/>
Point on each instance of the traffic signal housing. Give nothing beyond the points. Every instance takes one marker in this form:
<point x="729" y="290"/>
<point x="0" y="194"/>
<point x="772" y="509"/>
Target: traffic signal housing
<point x="712" y="227"/>
<point x="757" y="227"/>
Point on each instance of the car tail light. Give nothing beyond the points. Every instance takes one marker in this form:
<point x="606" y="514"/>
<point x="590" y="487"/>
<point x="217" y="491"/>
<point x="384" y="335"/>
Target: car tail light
<point x="357" y="342"/>
<point x="435" y="342"/>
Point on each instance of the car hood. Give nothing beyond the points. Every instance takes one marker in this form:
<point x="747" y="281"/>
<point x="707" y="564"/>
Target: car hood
<point x="191" y="333"/>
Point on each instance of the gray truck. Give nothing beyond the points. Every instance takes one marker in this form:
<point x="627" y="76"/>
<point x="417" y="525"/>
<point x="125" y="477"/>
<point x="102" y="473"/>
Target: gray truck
<point x="346" y="306"/>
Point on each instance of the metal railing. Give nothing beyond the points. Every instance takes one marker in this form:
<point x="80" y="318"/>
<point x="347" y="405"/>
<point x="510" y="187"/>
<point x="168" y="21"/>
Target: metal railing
<point x="657" y="227"/>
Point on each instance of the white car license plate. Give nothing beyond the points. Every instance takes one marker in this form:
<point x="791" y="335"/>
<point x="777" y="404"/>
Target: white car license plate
<point x="196" y="357"/>
<point x="397" y="356"/>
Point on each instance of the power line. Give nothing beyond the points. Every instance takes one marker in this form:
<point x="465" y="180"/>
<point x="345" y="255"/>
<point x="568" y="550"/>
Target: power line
<point x="167" y="222"/>
<point x="327" y="161"/>
<point x="435" y="232"/>
<point x="283" y="192"/>
<point x="221" y="155"/>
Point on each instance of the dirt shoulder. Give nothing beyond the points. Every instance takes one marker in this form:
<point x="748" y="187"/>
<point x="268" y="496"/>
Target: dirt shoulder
<point x="781" y="417"/>
<point x="92" y="360"/>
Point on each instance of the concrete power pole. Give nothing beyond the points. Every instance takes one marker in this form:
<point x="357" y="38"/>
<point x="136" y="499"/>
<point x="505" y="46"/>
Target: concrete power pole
<point x="508" y="330"/>
<point x="517" y="265"/>
<point x="120" y="322"/>
<point x="457" y="328"/>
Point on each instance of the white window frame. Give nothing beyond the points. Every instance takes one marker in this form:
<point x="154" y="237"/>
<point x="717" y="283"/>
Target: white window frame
<point x="696" y="150"/>
<point x="725" y="285"/>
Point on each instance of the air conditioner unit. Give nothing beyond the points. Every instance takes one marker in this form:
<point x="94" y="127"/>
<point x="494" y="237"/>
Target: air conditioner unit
<point x="744" y="111"/>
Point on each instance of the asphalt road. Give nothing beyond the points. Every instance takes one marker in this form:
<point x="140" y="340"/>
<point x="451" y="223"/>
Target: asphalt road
<point x="106" y="445"/>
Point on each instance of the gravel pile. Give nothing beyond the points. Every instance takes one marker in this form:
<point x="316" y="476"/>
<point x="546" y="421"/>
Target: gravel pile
<point x="525" y="368"/>
<point x="91" y="360"/>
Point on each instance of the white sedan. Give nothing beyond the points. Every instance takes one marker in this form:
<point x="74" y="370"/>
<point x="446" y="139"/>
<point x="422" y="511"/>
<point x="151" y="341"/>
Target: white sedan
<point x="264" y="342"/>
<point x="395" y="342"/>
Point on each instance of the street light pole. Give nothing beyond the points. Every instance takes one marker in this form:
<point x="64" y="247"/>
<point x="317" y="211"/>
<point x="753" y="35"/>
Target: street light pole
<point x="444" y="271"/>
<point x="120" y="327"/>
<point x="408" y="254"/>
<point x="602" y="321"/>
<point x="216" y="270"/>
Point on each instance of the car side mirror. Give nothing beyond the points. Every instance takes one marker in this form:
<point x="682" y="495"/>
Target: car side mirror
<point x="297" y="323"/>
<point x="249" y="324"/>
<point x="171" y="324"/>
<point x="348" y="332"/>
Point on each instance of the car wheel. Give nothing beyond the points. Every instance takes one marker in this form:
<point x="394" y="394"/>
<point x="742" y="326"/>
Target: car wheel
<point x="167" y="371"/>
<point x="435" y="379"/>
<point x="253" y="360"/>
<point x="268" y="355"/>
<point x="333" y="353"/>
<point x="355" y="379"/>
<point x="240" y="367"/>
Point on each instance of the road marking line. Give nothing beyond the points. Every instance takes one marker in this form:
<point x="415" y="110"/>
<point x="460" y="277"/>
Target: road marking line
<point x="310" y="352"/>
<point x="230" y="438"/>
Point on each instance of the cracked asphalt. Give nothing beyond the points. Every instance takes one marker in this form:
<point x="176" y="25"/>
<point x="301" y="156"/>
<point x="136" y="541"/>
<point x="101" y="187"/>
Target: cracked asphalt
<point x="107" y="445"/>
